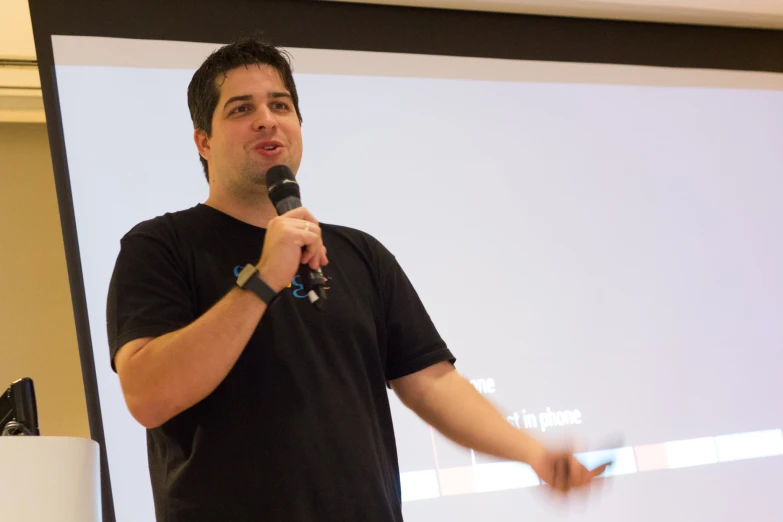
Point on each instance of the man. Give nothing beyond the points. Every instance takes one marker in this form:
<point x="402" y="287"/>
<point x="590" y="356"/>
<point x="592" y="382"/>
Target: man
<point x="258" y="407"/>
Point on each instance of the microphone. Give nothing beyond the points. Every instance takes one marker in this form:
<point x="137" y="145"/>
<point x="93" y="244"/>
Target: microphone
<point x="284" y="194"/>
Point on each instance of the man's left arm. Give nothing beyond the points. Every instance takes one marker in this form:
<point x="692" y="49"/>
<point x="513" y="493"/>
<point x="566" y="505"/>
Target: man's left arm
<point x="450" y="404"/>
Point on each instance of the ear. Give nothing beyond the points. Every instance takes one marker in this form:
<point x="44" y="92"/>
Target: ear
<point x="202" y="143"/>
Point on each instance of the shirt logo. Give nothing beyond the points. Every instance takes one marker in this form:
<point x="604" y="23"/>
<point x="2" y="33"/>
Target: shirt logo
<point x="296" y="283"/>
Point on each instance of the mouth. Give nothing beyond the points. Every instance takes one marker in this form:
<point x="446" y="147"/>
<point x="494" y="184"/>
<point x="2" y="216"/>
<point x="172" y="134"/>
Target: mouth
<point x="269" y="148"/>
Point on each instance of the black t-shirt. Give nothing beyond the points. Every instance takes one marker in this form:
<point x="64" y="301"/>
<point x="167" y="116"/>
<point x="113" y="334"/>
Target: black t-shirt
<point x="300" y="429"/>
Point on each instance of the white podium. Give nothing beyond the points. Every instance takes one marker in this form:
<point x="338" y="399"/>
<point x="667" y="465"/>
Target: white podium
<point x="49" y="479"/>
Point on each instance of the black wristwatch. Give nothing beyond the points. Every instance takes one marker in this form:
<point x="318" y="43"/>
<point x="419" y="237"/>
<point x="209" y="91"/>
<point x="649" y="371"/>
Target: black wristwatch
<point x="248" y="279"/>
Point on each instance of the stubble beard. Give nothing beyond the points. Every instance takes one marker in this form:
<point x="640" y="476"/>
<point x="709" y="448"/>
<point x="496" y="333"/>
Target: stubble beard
<point x="250" y="185"/>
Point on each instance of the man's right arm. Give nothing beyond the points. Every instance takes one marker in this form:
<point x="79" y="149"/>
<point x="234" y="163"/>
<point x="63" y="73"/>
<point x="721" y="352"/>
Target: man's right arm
<point x="166" y="375"/>
<point x="163" y="376"/>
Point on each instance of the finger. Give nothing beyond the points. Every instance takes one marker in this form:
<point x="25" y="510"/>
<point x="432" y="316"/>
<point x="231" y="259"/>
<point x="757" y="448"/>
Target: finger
<point x="574" y="473"/>
<point x="319" y="258"/>
<point x="307" y="256"/>
<point x="302" y="224"/>
<point x="600" y="469"/>
<point x="583" y="476"/>
<point x="561" y="472"/>
<point x="311" y="254"/>
<point x="291" y="225"/>
<point x="554" y="482"/>
<point x="294" y="226"/>
<point x="568" y="474"/>
<point x="315" y="259"/>
<point x="314" y="254"/>
<point x="301" y="213"/>
<point x="309" y="241"/>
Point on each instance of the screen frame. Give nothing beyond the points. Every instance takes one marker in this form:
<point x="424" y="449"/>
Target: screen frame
<point x="360" y="27"/>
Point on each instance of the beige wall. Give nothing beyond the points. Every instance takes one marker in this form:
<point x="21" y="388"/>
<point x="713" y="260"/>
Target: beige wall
<point x="37" y="332"/>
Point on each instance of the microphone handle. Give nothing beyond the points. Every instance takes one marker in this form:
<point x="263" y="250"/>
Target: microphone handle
<point x="313" y="282"/>
<point x="286" y="204"/>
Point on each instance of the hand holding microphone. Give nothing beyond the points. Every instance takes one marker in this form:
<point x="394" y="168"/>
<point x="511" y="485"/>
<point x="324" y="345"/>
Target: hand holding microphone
<point x="293" y="240"/>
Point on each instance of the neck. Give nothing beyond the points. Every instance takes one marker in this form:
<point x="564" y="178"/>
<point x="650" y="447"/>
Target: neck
<point x="257" y="213"/>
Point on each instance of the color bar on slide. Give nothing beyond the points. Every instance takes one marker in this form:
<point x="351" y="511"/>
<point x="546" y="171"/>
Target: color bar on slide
<point x="651" y="457"/>
<point x="753" y="445"/>
<point x="457" y="481"/>
<point x="418" y="485"/>
<point x="498" y="476"/>
<point x="623" y="459"/>
<point x="692" y="452"/>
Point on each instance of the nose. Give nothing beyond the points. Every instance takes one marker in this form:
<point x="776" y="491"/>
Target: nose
<point x="264" y="119"/>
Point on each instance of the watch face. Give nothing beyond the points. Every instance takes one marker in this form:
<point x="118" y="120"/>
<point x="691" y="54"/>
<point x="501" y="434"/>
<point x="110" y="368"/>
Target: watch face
<point x="245" y="275"/>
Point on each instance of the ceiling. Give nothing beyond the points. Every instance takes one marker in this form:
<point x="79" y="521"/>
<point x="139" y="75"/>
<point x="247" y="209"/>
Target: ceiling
<point x="749" y="13"/>
<point x="20" y="95"/>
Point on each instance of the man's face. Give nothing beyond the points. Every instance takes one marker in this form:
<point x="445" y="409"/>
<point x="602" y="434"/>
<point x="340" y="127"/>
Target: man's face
<point x="254" y="127"/>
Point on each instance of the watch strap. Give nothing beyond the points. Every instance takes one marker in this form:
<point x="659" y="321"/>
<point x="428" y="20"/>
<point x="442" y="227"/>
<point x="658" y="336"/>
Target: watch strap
<point x="249" y="279"/>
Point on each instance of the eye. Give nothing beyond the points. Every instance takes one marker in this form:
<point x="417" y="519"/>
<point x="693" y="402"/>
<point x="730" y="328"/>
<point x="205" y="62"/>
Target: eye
<point x="280" y="106"/>
<point x="242" y="108"/>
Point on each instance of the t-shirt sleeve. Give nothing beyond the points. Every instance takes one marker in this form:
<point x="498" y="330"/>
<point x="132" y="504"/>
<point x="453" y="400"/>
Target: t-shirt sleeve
<point x="413" y="342"/>
<point x="148" y="295"/>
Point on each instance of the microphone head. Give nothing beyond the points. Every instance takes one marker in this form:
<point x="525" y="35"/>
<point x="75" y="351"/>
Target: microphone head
<point x="281" y="184"/>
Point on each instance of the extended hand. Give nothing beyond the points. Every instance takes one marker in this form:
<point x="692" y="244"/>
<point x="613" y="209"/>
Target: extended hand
<point x="562" y="472"/>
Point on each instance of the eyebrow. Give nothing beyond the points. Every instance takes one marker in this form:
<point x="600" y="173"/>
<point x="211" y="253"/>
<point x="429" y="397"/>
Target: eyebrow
<point x="249" y="97"/>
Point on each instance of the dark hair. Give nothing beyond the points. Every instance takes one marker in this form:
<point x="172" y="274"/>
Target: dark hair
<point x="204" y="93"/>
